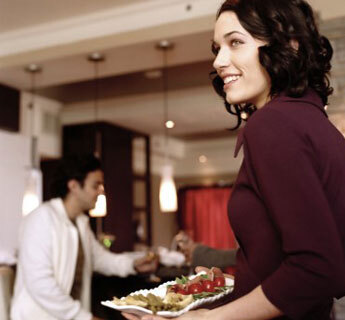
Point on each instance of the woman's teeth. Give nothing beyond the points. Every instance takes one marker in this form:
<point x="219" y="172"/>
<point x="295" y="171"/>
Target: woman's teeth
<point x="230" y="79"/>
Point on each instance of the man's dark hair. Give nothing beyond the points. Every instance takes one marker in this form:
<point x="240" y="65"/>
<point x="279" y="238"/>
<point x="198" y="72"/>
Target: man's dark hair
<point x="74" y="167"/>
<point x="279" y="22"/>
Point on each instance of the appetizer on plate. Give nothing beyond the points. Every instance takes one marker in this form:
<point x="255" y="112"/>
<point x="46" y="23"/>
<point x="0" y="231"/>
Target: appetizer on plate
<point x="173" y="298"/>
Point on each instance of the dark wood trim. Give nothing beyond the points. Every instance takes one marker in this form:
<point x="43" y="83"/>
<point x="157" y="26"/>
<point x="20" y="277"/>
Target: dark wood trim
<point x="9" y="108"/>
<point x="148" y="190"/>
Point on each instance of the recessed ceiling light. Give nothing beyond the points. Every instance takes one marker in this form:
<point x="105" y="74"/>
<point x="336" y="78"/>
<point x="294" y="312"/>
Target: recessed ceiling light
<point x="202" y="159"/>
<point x="170" y="124"/>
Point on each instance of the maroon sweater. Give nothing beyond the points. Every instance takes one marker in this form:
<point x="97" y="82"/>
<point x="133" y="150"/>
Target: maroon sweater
<point x="287" y="208"/>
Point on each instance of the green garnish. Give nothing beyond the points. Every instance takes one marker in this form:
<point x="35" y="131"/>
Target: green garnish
<point x="183" y="280"/>
<point x="204" y="295"/>
<point x="210" y="294"/>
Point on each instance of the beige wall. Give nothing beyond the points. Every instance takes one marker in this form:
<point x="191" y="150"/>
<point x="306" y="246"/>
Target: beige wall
<point x="14" y="162"/>
<point x="164" y="225"/>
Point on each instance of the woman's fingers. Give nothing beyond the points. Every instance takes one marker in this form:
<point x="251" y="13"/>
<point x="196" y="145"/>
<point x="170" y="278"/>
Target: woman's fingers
<point x="191" y="315"/>
<point x="152" y="317"/>
<point x="130" y="316"/>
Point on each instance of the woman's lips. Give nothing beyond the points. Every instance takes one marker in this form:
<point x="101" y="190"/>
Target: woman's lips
<point x="230" y="80"/>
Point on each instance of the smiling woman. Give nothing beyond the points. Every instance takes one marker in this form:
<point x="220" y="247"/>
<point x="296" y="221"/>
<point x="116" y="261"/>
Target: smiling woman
<point x="286" y="45"/>
<point x="287" y="205"/>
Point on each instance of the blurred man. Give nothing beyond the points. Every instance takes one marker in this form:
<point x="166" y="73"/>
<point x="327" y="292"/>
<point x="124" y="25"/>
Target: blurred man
<point x="58" y="251"/>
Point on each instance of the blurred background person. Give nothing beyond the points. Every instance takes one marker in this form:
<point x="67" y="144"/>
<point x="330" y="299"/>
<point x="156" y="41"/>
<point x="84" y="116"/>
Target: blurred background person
<point x="58" y="251"/>
<point x="197" y="254"/>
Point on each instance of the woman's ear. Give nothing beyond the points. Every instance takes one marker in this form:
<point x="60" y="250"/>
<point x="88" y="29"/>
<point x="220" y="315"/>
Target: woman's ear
<point x="294" y="44"/>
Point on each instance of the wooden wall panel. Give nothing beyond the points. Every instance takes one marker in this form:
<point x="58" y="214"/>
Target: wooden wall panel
<point x="9" y="108"/>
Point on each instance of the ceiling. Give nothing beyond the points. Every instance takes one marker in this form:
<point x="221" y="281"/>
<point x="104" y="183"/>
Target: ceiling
<point x="18" y="14"/>
<point x="59" y="35"/>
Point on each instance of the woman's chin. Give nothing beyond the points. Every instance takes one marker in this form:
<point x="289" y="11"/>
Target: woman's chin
<point x="234" y="101"/>
<point x="232" y="98"/>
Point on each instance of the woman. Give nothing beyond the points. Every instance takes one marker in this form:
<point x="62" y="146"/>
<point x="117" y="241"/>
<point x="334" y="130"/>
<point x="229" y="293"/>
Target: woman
<point x="288" y="205"/>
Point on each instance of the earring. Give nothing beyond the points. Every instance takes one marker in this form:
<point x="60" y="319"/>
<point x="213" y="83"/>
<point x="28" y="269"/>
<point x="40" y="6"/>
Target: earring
<point x="244" y="115"/>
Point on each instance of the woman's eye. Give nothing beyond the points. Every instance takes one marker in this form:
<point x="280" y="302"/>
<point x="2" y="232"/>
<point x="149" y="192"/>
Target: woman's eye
<point x="235" y="43"/>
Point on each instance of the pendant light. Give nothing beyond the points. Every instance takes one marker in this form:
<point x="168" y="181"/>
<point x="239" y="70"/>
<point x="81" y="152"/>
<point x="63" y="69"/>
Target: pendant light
<point x="167" y="189"/>
<point x="100" y="209"/>
<point x="33" y="188"/>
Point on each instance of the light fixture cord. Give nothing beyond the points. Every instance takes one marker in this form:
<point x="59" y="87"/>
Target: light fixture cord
<point x="34" y="157"/>
<point x="32" y="103"/>
<point x="165" y="103"/>
<point x="98" y="137"/>
<point x="96" y="89"/>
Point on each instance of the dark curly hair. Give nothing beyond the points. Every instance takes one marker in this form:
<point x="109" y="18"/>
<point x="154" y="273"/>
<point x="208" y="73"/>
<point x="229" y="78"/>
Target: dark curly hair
<point x="278" y="22"/>
<point x="74" y="167"/>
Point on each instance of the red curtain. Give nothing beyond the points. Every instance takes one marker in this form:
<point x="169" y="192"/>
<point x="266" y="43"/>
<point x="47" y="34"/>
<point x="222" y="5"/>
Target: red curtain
<point x="203" y="215"/>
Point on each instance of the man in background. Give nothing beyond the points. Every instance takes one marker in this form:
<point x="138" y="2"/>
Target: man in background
<point x="58" y="251"/>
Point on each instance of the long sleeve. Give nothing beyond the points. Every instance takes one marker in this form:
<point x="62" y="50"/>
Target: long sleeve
<point x="36" y="263"/>
<point x="109" y="263"/>
<point x="283" y="166"/>
<point x="210" y="257"/>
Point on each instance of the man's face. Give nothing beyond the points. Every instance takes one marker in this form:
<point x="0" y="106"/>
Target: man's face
<point x="87" y="194"/>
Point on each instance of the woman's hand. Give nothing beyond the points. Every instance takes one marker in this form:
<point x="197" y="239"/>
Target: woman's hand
<point x="191" y="315"/>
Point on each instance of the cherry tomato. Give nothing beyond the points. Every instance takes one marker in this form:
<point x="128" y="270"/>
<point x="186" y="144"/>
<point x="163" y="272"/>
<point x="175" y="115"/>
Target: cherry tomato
<point x="182" y="291"/>
<point x="208" y="286"/>
<point x="219" y="281"/>
<point x="195" y="288"/>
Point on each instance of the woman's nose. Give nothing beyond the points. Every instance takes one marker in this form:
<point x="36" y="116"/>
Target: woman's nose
<point x="222" y="59"/>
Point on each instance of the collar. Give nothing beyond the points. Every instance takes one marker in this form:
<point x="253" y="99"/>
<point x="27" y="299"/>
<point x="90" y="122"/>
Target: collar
<point x="239" y="142"/>
<point x="310" y="97"/>
<point x="59" y="208"/>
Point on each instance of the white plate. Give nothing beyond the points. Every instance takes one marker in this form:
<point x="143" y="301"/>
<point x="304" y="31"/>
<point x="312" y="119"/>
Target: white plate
<point x="161" y="292"/>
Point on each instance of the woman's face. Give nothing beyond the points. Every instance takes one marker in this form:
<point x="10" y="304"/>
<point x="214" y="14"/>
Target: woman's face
<point x="237" y="62"/>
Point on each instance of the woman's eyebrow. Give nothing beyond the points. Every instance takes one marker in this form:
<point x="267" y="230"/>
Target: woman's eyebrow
<point x="226" y="35"/>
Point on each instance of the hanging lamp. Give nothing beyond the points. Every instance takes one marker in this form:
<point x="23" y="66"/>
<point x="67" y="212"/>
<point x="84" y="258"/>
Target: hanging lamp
<point x="100" y="209"/>
<point x="33" y="187"/>
<point x="167" y="189"/>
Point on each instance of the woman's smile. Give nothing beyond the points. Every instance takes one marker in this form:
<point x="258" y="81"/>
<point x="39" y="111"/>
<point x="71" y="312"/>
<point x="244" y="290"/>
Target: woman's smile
<point x="230" y="80"/>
